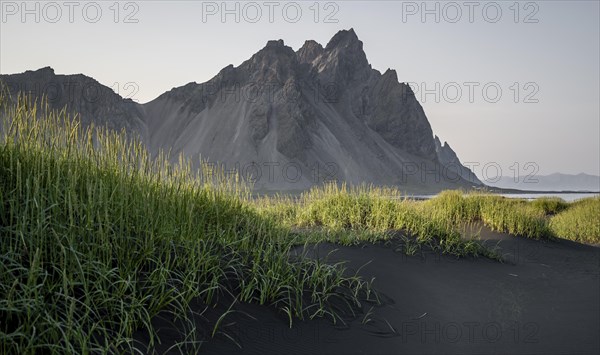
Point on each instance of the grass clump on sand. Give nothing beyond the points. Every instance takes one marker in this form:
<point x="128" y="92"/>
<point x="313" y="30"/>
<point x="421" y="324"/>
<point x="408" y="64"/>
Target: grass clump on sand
<point x="340" y="214"/>
<point x="514" y="216"/>
<point x="550" y="205"/>
<point x="97" y="239"/>
<point x="350" y="215"/>
<point x="580" y="222"/>
<point x="546" y="217"/>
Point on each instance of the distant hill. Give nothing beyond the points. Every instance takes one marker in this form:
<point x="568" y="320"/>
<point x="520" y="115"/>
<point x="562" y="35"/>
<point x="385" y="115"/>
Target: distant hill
<point x="552" y="182"/>
<point x="94" y="102"/>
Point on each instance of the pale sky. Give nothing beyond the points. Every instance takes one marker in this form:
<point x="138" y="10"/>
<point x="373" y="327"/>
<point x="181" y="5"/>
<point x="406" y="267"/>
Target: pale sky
<point x="542" y="54"/>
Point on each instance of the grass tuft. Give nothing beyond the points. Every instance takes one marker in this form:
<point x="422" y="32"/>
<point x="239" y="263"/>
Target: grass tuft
<point x="579" y="222"/>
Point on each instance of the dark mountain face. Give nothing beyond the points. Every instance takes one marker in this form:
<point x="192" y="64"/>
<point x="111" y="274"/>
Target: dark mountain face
<point x="453" y="167"/>
<point x="385" y="105"/>
<point x="289" y="119"/>
<point x="94" y="102"/>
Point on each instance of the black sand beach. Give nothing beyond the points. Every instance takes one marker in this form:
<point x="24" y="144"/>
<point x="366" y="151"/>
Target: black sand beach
<point x="543" y="299"/>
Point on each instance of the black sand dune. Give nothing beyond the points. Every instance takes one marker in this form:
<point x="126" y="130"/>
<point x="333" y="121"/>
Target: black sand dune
<point x="544" y="299"/>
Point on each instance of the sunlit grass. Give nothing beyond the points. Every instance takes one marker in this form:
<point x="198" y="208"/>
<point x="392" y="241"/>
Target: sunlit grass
<point x="550" y="205"/>
<point x="546" y="217"/>
<point x="580" y="222"/>
<point x="349" y="216"/>
<point x="352" y="215"/>
<point x="514" y="216"/>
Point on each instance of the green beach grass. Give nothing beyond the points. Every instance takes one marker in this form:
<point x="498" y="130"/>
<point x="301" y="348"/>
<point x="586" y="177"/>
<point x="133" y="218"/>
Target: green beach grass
<point x="579" y="222"/>
<point x="349" y="216"/>
<point x="98" y="237"/>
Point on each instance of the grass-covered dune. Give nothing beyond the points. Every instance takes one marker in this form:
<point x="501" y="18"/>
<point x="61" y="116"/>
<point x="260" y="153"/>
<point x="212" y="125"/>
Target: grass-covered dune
<point x="580" y="222"/>
<point x="97" y="238"/>
<point x="348" y="215"/>
<point x="351" y="215"/>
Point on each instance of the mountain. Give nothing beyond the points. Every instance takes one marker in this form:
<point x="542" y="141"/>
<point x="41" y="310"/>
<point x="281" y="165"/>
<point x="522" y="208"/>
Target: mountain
<point x="287" y="120"/>
<point x="552" y="182"/>
<point x="81" y="94"/>
<point x="452" y="165"/>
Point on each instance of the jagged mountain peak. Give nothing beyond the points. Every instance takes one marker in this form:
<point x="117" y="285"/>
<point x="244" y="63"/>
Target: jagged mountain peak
<point x="344" y="60"/>
<point x="444" y="151"/>
<point x="309" y="51"/>
<point x="275" y="62"/>
<point x="276" y="47"/>
<point x="447" y="157"/>
<point x="345" y="43"/>
<point x="311" y="44"/>
<point x="274" y="54"/>
<point x="390" y="74"/>
<point x="344" y="38"/>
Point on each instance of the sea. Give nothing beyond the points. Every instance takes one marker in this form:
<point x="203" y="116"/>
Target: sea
<point x="567" y="196"/>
